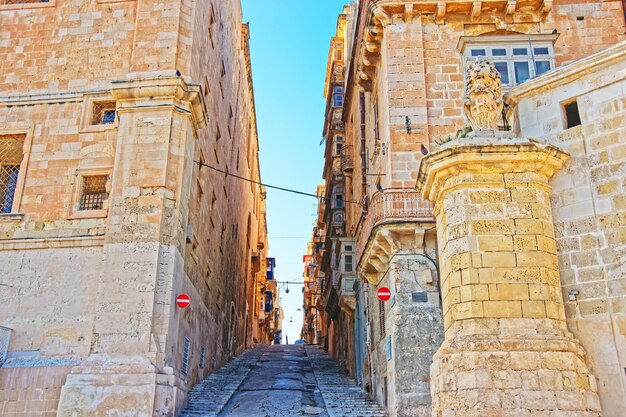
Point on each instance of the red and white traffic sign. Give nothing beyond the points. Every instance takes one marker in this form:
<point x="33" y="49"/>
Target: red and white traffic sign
<point x="384" y="294"/>
<point x="183" y="300"/>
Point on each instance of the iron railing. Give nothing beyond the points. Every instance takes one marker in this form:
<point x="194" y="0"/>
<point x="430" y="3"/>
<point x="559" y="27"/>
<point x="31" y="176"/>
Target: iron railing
<point x="347" y="163"/>
<point x="390" y="206"/>
<point x="5" y="339"/>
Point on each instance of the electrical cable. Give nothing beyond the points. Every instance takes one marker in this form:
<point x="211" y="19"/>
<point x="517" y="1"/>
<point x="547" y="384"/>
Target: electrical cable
<point x="288" y="190"/>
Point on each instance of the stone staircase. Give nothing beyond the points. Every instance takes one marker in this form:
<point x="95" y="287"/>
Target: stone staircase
<point x="210" y="396"/>
<point x="342" y="396"/>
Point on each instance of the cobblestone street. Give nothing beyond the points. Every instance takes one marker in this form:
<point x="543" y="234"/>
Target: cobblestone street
<point x="281" y="381"/>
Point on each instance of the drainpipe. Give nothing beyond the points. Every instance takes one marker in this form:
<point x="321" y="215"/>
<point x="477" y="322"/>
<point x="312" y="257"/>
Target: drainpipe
<point x="363" y="154"/>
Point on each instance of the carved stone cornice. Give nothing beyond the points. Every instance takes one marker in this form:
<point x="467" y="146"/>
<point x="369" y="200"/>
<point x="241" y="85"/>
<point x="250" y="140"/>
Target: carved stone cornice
<point x="140" y="91"/>
<point x="486" y="155"/>
<point x="387" y="239"/>
<point x="381" y="13"/>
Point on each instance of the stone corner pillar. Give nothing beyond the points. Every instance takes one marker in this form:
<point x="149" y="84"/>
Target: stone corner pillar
<point x="507" y="350"/>
<point x="130" y="370"/>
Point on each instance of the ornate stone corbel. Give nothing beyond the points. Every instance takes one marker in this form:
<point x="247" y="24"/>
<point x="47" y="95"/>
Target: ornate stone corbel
<point x="441" y="12"/>
<point x="546" y="7"/>
<point x="371" y="47"/>
<point x="408" y="13"/>
<point x="381" y="16"/>
<point x="510" y="7"/>
<point x="476" y="7"/>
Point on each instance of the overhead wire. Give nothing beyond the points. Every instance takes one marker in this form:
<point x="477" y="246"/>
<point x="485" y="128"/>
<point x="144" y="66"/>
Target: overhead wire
<point x="275" y="187"/>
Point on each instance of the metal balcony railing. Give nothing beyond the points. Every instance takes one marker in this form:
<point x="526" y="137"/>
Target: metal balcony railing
<point x="390" y="206"/>
<point x="5" y="339"/>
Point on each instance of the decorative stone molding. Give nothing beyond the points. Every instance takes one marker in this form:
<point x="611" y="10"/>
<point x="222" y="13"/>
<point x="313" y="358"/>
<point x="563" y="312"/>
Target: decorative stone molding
<point x="386" y="240"/>
<point x="486" y="155"/>
<point x="147" y="90"/>
<point x="483" y="95"/>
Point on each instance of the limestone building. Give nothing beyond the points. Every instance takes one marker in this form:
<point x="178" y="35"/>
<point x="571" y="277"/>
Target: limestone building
<point x="507" y="270"/>
<point x="112" y="115"/>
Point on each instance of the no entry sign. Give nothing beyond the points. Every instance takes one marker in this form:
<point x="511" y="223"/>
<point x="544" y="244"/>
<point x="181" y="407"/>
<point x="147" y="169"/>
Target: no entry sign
<point x="182" y="300"/>
<point x="384" y="294"/>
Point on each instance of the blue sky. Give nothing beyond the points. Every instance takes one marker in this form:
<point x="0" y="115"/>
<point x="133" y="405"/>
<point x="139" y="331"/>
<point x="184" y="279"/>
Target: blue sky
<point x="289" y="43"/>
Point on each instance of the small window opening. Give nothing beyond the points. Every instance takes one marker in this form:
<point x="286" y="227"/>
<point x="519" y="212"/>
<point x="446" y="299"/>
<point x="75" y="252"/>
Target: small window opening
<point x="103" y="113"/>
<point x="11" y="155"/>
<point x="202" y="356"/>
<point x="572" y="116"/>
<point x="93" y="192"/>
<point x="186" y="352"/>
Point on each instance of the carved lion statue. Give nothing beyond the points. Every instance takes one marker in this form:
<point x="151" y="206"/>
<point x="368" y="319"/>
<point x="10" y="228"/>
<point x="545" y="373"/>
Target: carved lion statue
<point x="483" y="95"/>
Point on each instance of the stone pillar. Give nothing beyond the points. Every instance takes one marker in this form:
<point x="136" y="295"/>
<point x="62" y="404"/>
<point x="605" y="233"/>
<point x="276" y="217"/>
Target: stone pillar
<point x="398" y="256"/>
<point x="129" y="370"/>
<point x="507" y="350"/>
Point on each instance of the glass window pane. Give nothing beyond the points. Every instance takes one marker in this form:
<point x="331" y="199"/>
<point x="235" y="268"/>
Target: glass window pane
<point x="498" y="52"/>
<point x="542" y="66"/>
<point x="542" y="51"/>
<point x="479" y="52"/>
<point x="503" y="69"/>
<point x="522" y="72"/>
<point x="520" y="51"/>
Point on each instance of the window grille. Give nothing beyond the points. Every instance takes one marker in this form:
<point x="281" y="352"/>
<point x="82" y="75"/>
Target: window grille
<point x="103" y="113"/>
<point x="202" y="356"/>
<point x="93" y="192"/>
<point x="11" y="155"/>
<point x="186" y="352"/>
<point x="22" y="1"/>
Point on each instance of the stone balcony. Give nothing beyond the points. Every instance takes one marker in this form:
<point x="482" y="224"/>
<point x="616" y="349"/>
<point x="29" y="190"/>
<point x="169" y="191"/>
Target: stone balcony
<point x="390" y="223"/>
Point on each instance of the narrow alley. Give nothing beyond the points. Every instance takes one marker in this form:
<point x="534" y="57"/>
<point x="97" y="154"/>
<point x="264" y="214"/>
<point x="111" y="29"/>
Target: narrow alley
<point x="281" y="381"/>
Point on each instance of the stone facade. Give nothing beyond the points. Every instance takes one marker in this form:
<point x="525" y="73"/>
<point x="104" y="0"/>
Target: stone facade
<point x="139" y="95"/>
<point x="523" y="251"/>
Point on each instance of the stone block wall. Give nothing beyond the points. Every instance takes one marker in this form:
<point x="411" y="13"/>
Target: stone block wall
<point x="588" y="205"/>
<point x="28" y="391"/>
<point x="126" y="264"/>
<point x="414" y="328"/>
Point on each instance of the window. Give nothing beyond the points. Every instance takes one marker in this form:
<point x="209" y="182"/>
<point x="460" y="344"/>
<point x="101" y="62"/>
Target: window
<point x="202" y="356"/>
<point x="337" y="96"/>
<point x="347" y="263"/>
<point x="572" y="116"/>
<point x="517" y="61"/>
<point x="11" y="155"/>
<point x="338" y="148"/>
<point x="103" y="113"/>
<point x="339" y="201"/>
<point x="186" y="354"/>
<point x="93" y="192"/>
<point x="347" y="248"/>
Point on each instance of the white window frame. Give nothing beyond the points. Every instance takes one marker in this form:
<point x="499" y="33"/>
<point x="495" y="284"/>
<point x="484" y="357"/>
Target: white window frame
<point x="467" y="44"/>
